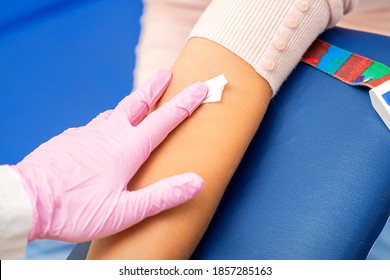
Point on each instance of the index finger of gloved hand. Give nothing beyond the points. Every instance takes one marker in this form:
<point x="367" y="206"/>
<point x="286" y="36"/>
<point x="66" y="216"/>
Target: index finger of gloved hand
<point x="135" y="206"/>
<point x="138" y="104"/>
<point x="158" y="124"/>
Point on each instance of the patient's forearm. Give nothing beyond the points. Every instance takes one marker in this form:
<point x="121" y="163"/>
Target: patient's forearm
<point x="210" y="143"/>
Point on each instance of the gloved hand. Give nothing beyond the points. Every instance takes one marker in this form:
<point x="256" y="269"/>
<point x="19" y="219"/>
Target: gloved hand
<point x="77" y="181"/>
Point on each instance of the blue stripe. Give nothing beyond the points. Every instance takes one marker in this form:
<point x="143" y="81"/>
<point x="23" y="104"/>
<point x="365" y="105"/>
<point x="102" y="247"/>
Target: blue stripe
<point x="333" y="59"/>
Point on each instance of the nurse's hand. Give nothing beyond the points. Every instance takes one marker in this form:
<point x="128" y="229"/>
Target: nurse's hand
<point x="77" y="181"/>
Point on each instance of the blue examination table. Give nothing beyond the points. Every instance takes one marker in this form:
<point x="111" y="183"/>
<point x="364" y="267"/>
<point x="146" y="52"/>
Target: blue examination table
<point x="314" y="183"/>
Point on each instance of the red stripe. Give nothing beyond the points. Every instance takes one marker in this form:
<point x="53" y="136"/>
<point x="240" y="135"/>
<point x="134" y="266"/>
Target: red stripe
<point x="353" y="68"/>
<point x="315" y="52"/>
<point x="379" y="81"/>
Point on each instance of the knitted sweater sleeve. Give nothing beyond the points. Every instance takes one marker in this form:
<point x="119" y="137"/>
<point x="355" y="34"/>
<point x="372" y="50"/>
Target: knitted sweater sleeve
<point x="270" y="35"/>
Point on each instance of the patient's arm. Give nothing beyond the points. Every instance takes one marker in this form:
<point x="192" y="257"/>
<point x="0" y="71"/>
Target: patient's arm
<point x="272" y="36"/>
<point x="210" y="143"/>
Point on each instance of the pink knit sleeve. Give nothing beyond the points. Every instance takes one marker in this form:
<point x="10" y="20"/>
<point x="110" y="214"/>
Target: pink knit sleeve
<point x="270" y="35"/>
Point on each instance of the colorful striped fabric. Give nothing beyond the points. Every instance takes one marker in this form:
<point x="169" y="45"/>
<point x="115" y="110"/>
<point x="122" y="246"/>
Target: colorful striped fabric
<point x="346" y="66"/>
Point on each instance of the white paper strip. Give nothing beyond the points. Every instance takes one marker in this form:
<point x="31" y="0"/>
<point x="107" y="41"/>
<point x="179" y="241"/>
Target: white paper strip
<point x="215" y="86"/>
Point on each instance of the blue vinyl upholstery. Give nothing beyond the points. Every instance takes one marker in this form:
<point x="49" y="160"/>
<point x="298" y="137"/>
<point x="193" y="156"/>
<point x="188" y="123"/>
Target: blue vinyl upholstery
<point x="314" y="183"/>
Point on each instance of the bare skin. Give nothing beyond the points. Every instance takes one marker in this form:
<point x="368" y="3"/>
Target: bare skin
<point x="210" y="143"/>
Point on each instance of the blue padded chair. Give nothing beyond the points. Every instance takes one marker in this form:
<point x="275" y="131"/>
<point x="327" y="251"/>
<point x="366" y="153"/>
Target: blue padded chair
<point x="314" y="183"/>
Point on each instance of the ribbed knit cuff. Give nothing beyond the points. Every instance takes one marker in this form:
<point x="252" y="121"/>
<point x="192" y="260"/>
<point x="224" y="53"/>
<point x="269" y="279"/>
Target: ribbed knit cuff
<point x="272" y="35"/>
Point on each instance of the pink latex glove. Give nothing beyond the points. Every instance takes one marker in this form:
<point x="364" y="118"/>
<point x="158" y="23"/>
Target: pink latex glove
<point x="77" y="181"/>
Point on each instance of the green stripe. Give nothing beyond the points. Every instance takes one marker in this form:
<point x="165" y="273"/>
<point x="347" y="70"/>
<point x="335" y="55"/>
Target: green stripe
<point x="376" y="71"/>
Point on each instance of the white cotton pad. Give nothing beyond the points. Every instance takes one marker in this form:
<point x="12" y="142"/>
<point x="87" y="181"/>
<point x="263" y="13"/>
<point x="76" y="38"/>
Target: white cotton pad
<point x="215" y="88"/>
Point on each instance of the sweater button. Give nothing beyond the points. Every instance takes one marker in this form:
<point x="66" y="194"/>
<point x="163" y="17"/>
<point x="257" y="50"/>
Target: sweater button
<point x="280" y="43"/>
<point x="302" y="5"/>
<point x="268" y="63"/>
<point x="291" y="22"/>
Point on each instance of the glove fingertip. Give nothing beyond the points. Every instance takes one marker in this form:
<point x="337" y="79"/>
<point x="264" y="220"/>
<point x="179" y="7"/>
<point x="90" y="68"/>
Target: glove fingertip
<point x="172" y="191"/>
<point x="191" y="97"/>
<point x="185" y="187"/>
